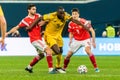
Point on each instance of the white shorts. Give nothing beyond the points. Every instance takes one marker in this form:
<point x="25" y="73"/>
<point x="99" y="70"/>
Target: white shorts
<point x="40" y="45"/>
<point x="76" y="45"/>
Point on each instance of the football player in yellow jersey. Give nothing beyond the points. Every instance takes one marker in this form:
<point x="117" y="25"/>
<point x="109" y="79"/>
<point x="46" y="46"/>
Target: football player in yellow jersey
<point x="2" y="27"/>
<point x="55" y="23"/>
<point x="54" y="27"/>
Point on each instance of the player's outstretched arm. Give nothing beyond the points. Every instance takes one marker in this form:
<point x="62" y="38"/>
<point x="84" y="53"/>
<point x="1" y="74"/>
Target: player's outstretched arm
<point x="70" y="37"/>
<point x="79" y="23"/>
<point x="14" y="29"/>
<point x="33" y="24"/>
<point x="93" y="36"/>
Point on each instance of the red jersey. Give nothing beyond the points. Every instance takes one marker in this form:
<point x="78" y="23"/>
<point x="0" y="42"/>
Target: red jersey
<point x="34" y="33"/>
<point x="79" y="33"/>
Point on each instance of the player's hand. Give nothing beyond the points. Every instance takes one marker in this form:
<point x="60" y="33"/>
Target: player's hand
<point x="42" y="23"/>
<point x="2" y="41"/>
<point x="94" y="44"/>
<point x="6" y="34"/>
<point x="28" y="28"/>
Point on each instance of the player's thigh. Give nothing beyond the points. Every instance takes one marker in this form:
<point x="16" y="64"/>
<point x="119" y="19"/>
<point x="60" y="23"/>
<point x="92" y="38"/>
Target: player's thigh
<point x="87" y="44"/>
<point x="60" y="42"/>
<point x="39" y="45"/>
<point x="50" y="40"/>
<point x="74" y="46"/>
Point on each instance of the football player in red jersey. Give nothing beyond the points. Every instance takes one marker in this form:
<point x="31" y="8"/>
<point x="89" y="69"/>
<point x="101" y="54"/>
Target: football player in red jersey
<point x="35" y="38"/>
<point x="81" y="38"/>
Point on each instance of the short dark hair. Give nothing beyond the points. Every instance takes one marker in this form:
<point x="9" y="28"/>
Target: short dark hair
<point x="75" y="10"/>
<point x="30" y="5"/>
<point x="60" y="7"/>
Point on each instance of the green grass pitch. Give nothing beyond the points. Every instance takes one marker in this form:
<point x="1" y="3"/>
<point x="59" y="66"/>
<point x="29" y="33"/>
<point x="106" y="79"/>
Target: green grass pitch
<point x="12" y="68"/>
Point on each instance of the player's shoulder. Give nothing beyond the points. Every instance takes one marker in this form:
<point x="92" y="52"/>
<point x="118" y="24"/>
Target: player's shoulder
<point x="25" y="18"/>
<point x="54" y="13"/>
<point x="50" y="15"/>
<point x="71" y="23"/>
<point x="67" y="14"/>
<point x="37" y="14"/>
<point x="82" y="19"/>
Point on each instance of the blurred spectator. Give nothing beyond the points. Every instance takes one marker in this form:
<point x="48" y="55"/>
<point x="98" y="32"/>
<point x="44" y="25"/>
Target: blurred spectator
<point x="109" y="31"/>
<point x="118" y="32"/>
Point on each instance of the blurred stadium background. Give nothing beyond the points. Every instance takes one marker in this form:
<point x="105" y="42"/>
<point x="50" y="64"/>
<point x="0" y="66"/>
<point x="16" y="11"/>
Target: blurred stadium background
<point x="100" y="12"/>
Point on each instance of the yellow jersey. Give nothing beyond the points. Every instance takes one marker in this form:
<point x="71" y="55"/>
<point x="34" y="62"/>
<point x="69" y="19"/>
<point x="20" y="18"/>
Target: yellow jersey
<point x="55" y="26"/>
<point x="1" y="11"/>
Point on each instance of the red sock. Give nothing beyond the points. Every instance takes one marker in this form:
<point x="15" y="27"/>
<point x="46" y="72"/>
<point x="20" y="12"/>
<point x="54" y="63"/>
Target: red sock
<point x="66" y="62"/>
<point x="35" y="60"/>
<point x="93" y="60"/>
<point x="49" y="61"/>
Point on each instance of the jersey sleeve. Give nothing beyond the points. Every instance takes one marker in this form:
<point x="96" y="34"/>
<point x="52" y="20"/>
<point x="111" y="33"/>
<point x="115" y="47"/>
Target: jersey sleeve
<point x="70" y="27"/>
<point x="23" y="23"/>
<point x="86" y="22"/>
<point x="67" y="16"/>
<point x="48" y="17"/>
<point x="39" y="15"/>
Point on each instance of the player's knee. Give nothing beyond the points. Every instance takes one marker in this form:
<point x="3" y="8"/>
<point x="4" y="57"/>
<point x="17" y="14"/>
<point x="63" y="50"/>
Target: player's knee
<point x="88" y="50"/>
<point x="61" y="50"/>
<point x="41" y="55"/>
<point x="48" y="51"/>
<point x="69" y="55"/>
<point x="56" y="49"/>
<point x="3" y="22"/>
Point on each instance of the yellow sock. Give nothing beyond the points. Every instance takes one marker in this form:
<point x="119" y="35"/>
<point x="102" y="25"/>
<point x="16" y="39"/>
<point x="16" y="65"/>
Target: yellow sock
<point x="58" y="60"/>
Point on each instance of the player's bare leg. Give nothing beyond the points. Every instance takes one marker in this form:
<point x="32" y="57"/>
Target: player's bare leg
<point x="58" y="51"/>
<point x="59" y="59"/>
<point x="92" y="58"/>
<point x="34" y="61"/>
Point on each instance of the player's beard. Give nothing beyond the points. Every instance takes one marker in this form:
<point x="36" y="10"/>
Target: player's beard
<point x="33" y="14"/>
<point x="60" y="17"/>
